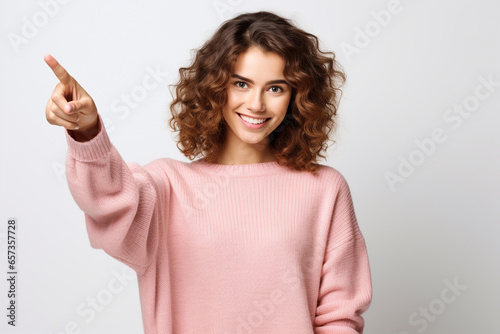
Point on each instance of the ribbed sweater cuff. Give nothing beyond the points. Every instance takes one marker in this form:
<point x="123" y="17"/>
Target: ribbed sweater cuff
<point x="94" y="149"/>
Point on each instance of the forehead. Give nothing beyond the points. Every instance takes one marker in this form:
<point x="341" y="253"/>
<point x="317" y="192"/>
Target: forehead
<point x="258" y="65"/>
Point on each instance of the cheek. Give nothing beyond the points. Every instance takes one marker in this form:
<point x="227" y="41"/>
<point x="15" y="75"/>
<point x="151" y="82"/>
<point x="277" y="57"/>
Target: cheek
<point x="233" y="100"/>
<point x="281" y="105"/>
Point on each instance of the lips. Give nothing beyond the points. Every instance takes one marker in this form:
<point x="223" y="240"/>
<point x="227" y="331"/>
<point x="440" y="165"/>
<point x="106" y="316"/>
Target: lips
<point x="250" y="125"/>
<point x="254" y="123"/>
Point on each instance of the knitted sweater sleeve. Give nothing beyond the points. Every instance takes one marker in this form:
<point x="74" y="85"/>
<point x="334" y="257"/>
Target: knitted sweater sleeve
<point x="345" y="288"/>
<point x="120" y="200"/>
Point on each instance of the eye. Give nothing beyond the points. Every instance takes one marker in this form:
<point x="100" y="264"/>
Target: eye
<point x="240" y="84"/>
<point x="276" y="89"/>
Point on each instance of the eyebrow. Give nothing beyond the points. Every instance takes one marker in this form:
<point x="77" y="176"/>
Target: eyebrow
<point x="267" y="83"/>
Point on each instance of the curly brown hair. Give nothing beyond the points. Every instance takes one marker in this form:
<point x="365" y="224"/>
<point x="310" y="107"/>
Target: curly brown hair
<point x="314" y="75"/>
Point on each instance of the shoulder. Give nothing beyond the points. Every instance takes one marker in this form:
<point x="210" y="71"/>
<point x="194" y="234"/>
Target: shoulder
<point x="167" y="168"/>
<point x="330" y="176"/>
<point x="167" y="164"/>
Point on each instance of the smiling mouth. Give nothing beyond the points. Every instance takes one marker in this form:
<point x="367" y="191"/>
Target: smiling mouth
<point x="253" y="120"/>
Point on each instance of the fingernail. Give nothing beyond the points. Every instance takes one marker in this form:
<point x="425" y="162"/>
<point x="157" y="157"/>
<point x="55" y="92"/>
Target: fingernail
<point x="76" y="127"/>
<point x="69" y="109"/>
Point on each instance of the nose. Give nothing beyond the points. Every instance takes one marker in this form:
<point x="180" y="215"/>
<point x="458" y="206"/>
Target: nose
<point x="255" y="102"/>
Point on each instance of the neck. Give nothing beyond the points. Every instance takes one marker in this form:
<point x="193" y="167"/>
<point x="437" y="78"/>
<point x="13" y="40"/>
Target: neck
<point x="240" y="153"/>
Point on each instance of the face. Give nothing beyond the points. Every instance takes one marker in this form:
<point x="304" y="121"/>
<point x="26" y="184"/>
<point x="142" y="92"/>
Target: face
<point x="256" y="92"/>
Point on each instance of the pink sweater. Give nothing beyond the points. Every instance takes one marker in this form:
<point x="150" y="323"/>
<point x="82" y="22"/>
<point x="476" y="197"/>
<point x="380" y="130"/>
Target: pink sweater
<point x="255" y="248"/>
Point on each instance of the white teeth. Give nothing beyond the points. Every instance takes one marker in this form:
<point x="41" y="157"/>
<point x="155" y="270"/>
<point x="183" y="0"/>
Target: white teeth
<point x="252" y="120"/>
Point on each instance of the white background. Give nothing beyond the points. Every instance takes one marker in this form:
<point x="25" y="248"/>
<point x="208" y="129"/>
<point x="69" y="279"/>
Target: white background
<point x="436" y="224"/>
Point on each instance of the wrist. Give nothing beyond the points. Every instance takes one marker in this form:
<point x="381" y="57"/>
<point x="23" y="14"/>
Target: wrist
<point x="87" y="133"/>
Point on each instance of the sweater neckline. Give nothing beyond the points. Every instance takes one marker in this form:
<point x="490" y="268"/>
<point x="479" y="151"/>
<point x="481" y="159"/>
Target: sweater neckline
<point x="255" y="169"/>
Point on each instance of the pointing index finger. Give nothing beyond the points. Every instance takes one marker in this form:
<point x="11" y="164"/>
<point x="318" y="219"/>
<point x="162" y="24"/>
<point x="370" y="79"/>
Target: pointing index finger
<point x="58" y="70"/>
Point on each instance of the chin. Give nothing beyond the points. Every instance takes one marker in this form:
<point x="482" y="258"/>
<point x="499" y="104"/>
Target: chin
<point x="254" y="140"/>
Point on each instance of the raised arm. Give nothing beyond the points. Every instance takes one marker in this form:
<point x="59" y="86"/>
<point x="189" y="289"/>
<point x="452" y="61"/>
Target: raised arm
<point x="121" y="201"/>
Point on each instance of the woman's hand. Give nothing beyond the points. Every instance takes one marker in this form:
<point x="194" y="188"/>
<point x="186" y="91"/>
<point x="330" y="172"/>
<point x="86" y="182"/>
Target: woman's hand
<point x="70" y="105"/>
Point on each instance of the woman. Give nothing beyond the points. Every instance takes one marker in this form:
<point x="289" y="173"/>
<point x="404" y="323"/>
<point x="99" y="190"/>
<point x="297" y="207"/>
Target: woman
<point x="254" y="237"/>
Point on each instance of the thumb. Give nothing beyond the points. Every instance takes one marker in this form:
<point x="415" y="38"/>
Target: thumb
<point x="72" y="107"/>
